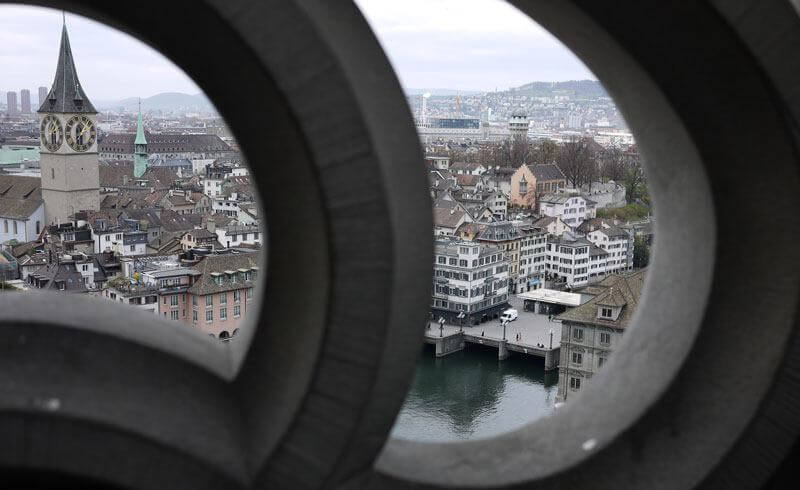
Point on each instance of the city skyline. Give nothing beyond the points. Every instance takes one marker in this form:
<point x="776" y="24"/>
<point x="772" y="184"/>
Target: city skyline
<point x="497" y="47"/>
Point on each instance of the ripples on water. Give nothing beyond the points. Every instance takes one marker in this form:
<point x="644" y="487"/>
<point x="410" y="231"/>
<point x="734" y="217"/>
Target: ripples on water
<point x="471" y="394"/>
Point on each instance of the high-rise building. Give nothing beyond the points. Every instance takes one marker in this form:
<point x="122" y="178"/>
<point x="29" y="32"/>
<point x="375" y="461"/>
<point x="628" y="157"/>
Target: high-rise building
<point x="42" y="95"/>
<point x="11" y="100"/>
<point x="25" y="100"/>
<point x="68" y="146"/>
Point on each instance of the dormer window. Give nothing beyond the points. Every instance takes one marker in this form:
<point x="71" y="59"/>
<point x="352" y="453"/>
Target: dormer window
<point x="606" y="312"/>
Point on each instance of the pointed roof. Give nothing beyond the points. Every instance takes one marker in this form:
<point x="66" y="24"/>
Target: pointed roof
<point x="140" y="139"/>
<point x="66" y="95"/>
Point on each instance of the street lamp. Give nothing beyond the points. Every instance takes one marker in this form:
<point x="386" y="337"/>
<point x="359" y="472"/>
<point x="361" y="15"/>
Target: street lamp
<point x="504" y="322"/>
<point x="551" y="339"/>
<point x="441" y="326"/>
<point x="461" y="317"/>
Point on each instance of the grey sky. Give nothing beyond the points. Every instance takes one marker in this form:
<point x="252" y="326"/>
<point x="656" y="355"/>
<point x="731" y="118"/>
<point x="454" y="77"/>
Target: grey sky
<point x="111" y="65"/>
<point x="468" y="44"/>
<point x="459" y="44"/>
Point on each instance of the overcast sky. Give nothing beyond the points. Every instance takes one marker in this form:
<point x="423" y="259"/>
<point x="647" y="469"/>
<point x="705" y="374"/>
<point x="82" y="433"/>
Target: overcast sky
<point x="458" y="44"/>
<point x="111" y="65"/>
<point x="468" y="44"/>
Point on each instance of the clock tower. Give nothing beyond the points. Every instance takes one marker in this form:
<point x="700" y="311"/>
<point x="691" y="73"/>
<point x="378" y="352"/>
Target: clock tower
<point x="68" y="143"/>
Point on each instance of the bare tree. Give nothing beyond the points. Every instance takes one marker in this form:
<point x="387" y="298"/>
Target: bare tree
<point x="545" y="152"/>
<point x="577" y="161"/>
<point x="612" y="164"/>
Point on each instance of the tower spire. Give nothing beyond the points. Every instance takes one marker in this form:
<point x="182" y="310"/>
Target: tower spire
<point x="140" y="146"/>
<point x="66" y="95"/>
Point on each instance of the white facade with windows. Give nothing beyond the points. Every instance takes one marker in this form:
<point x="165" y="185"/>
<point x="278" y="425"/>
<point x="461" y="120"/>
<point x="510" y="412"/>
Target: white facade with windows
<point x="21" y="229"/>
<point x="618" y="244"/>
<point x="567" y="260"/>
<point x="571" y="208"/>
<point x="468" y="277"/>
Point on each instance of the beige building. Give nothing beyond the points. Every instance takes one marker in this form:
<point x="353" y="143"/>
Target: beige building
<point x="523" y="188"/>
<point x="590" y="332"/>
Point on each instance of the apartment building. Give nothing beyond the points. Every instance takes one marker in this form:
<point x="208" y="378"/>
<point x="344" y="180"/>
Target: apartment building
<point x="590" y="332"/>
<point x="469" y="277"/>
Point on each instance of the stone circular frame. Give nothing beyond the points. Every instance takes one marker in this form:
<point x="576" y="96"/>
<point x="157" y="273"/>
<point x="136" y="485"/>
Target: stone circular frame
<point x="698" y="394"/>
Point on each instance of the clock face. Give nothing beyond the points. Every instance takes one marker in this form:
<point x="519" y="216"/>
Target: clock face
<point x="51" y="133"/>
<point x="80" y="133"/>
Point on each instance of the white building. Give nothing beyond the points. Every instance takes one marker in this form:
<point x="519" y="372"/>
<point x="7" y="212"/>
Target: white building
<point x="567" y="259"/>
<point x="471" y="278"/>
<point x="571" y="208"/>
<point x="619" y="245"/>
<point x="22" y="213"/>
<point x="236" y="235"/>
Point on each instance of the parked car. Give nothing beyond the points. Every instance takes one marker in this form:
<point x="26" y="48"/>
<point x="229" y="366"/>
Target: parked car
<point x="509" y="315"/>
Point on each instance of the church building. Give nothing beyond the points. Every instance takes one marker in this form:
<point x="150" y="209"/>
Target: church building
<point x="68" y="146"/>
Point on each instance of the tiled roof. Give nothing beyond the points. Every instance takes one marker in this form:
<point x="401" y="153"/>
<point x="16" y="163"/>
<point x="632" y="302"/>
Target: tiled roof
<point x="219" y="264"/>
<point x="123" y="143"/>
<point x="19" y="196"/>
<point x="620" y="291"/>
<point x="547" y="171"/>
<point x="112" y="175"/>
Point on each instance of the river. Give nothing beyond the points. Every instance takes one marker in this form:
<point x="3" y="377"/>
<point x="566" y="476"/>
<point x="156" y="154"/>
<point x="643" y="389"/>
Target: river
<point x="471" y="394"/>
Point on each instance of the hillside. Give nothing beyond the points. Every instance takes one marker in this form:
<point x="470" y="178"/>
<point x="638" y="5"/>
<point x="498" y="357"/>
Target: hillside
<point x="167" y="101"/>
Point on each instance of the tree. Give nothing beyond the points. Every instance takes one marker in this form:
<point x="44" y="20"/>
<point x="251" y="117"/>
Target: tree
<point x="577" y="161"/>
<point x="641" y="253"/>
<point x="612" y="164"/>
<point x="633" y="180"/>
<point x="545" y="152"/>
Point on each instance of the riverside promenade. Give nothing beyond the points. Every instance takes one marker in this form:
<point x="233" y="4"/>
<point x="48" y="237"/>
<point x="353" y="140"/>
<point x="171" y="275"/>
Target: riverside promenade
<point x="534" y="338"/>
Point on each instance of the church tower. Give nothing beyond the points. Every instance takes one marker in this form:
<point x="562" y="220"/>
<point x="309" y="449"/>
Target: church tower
<point x="140" y="147"/>
<point x="68" y="143"/>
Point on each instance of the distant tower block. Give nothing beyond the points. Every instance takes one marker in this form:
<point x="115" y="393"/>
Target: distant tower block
<point x="25" y="100"/>
<point x="11" y="103"/>
<point x="42" y="95"/>
<point x="518" y="124"/>
<point x="140" y="148"/>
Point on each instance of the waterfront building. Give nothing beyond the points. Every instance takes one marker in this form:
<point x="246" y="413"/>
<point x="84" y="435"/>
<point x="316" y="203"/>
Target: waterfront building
<point x="69" y="165"/>
<point x="590" y="332"/>
<point x="469" y="278"/>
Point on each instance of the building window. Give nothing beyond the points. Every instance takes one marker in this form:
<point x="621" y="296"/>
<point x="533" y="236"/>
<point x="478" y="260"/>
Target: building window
<point x="173" y="301"/>
<point x="223" y="314"/>
<point x="601" y="361"/>
<point x="194" y="300"/>
<point x="237" y="311"/>
<point x="605" y="338"/>
<point x="210" y="300"/>
<point x="575" y="383"/>
<point x="577" y="334"/>
<point x="5" y="226"/>
<point x="52" y="173"/>
<point x="209" y="316"/>
<point x="237" y="296"/>
<point x="250" y="293"/>
<point x="173" y="315"/>
<point x="15" y="227"/>
<point x="194" y="316"/>
<point x="577" y="358"/>
<point x="605" y="312"/>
